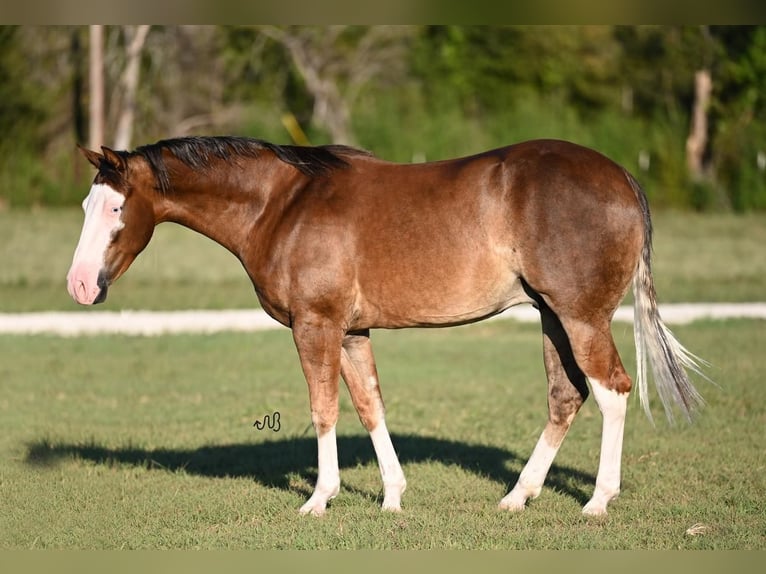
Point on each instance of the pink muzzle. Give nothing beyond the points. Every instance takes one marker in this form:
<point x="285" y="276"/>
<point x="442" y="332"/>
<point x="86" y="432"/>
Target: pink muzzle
<point x="86" y="283"/>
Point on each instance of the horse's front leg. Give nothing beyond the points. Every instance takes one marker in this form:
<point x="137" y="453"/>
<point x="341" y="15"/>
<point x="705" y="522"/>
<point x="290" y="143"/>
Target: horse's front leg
<point x="319" y="346"/>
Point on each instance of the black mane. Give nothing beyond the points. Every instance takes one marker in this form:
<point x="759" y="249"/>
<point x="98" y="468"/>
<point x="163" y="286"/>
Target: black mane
<point x="198" y="151"/>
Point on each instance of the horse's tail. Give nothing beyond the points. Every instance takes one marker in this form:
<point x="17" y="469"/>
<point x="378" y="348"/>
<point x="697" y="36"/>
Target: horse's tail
<point x="654" y="341"/>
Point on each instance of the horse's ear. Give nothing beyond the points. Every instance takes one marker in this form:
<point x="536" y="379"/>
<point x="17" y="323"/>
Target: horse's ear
<point x="93" y="157"/>
<point x="114" y="159"/>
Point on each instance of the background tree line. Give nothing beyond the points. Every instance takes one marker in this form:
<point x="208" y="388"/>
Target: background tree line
<point x="682" y="107"/>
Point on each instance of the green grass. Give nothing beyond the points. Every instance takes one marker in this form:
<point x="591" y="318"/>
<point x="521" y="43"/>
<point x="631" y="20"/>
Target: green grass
<point x="718" y="258"/>
<point x="122" y="442"/>
<point x="697" y="258"/>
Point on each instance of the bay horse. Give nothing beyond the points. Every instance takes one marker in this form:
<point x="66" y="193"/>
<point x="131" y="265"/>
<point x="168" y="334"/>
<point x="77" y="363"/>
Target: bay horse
<point x="338" y="242"/>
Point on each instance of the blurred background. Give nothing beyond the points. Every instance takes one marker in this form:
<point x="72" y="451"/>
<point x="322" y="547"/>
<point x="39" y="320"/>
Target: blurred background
<point x="682" y="107"/>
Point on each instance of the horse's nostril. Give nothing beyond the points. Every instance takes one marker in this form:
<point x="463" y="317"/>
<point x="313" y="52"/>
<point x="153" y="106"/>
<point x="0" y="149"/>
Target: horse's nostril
<point x="101" y="297"/>
<point x="81" y="291"/>
<point x="102" y="281"/>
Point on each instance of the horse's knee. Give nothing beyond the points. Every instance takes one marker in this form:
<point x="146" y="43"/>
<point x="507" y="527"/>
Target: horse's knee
<point x="324" y="421"/>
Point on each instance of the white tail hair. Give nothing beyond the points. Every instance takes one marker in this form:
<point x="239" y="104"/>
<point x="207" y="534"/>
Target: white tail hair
<point x="655" y="343"/>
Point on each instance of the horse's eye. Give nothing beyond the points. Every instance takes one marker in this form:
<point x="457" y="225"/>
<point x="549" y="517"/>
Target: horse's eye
<point x="117" y="209"/>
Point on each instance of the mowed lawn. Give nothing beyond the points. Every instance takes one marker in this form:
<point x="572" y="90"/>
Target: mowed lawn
<point x="129" y="442"/>
<point x="122" y="442"/>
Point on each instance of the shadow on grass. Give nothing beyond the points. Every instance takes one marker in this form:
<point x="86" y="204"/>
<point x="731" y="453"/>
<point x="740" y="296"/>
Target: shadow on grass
<point x="271" y="462"/>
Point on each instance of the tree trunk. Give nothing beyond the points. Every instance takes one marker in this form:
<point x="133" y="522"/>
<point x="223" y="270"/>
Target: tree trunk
<point x="135" y="36"/>
<point x="335" y="62"/>
<point x="696" y="143"/>
<point x="96" y="109"/>
<point x="330" y="108"/>
<point x="312" y="56"/>
<point x="78" y="86"/>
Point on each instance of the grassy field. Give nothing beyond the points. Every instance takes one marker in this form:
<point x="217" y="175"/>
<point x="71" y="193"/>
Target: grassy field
<point x="120" y="442"/>
<point x="697" y="258"/>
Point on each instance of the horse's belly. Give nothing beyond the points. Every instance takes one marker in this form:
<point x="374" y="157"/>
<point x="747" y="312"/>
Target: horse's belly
<point x="434" y="301"/>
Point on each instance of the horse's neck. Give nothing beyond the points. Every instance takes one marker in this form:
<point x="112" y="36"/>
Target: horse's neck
<point x="224" y="213"/>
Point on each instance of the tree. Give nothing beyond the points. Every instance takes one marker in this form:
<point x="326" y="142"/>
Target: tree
<point x="335" y="62"/>
<point x="696" y="143"/>
<point x="20" y="109"/>
<point x="690" y="98"/>
<point x="96" y="76"/>
<point x="738" y="115"/>
<point x="490" y="68"/>
<point x="135" y="36"/>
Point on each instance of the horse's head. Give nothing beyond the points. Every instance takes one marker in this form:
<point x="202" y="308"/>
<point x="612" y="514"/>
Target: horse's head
<point x="119" y="222"/>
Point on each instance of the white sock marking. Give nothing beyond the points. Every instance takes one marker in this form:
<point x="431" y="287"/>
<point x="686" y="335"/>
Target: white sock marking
<point x="328" y="481"/>
<point x="613" y="406"/>
<point x="533" y="475"/>
<point x="394" y="482"/>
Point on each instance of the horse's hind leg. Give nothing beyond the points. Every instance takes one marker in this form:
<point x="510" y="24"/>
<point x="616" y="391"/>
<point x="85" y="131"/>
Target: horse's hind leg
<point x="596" y="354"/>
<point x="567" y="391"/>
<point x="360" y="374"/>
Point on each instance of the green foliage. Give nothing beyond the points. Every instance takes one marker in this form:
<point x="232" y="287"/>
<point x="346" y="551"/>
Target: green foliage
<point x="740" y="142"/>
<point x="19" y="109"/>
<point x="427" y="92"/>
<point x="60" y="179"/>
<point x="488" y="68"/>
<point x="21" y="114"/>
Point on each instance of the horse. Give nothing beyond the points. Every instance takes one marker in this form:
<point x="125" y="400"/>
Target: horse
<point x="338" y="242"/>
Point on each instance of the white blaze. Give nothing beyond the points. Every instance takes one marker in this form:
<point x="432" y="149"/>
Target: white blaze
<point x="103" y="210"/>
